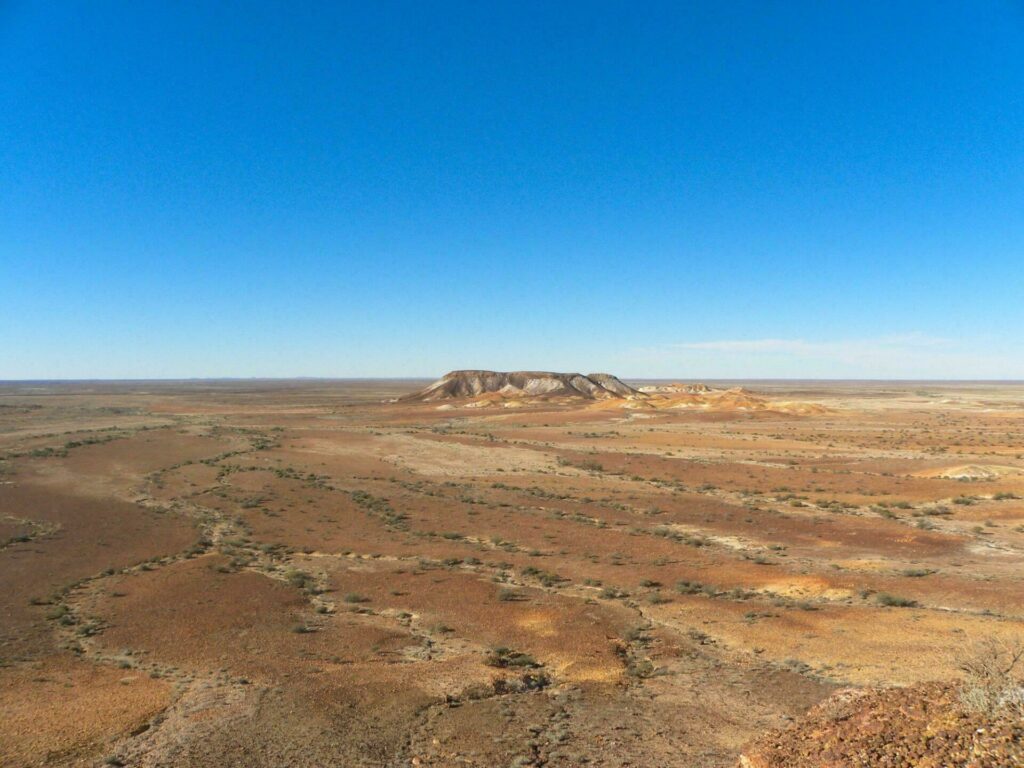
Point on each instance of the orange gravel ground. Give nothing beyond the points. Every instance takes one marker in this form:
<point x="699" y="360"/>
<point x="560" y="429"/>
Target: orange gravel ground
<point x="305" y="573"/>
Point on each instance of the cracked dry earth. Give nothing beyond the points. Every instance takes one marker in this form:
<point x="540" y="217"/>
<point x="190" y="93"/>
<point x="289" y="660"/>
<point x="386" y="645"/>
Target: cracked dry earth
<point x="302" y="574"/>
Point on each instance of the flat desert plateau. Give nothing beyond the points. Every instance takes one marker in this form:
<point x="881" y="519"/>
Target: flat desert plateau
<point x="332" y="573"/>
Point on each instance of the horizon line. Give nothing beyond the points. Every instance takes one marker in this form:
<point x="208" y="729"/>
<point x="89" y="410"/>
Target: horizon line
<point x="198" y="379"/>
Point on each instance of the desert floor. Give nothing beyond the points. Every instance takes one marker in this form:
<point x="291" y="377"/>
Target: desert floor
<point x="303" y="573"/>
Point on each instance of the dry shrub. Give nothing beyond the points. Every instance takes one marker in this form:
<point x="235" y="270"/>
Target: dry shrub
<point x="993" y="682"/>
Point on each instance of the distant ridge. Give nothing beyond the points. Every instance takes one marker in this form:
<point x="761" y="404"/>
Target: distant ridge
<point x="516" y="384"/>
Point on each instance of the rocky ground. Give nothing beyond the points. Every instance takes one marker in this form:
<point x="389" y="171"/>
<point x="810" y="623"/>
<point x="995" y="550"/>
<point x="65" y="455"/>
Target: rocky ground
<point x="921" y="726"/>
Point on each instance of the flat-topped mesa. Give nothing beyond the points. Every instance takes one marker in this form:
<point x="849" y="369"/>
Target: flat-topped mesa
<point x="517" y="384"/>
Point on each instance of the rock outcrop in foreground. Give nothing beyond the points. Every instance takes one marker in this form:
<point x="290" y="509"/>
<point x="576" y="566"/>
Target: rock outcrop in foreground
<point x="516" y="384"/>
<point x="921" y="726"/>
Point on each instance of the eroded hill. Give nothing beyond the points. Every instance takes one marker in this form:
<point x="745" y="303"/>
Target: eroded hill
<point x="521" y="384"/>
<point x="481" y="389"/>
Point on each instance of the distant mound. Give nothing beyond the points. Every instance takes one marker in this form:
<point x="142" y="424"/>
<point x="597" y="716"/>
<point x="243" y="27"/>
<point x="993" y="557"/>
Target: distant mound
<point x="522" y="384"/>
<point x="675" y="389"/>
<point x="703" y="397"/>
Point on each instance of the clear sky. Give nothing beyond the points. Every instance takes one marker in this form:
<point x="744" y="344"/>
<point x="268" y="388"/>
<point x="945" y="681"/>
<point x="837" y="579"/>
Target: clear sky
<point x="688" y="190"/>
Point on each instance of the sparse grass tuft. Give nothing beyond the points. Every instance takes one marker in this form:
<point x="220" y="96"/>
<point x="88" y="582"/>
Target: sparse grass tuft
<point x="504" y="658"/>
<point x="992" y="681"/>
<point x="894" y="601"/>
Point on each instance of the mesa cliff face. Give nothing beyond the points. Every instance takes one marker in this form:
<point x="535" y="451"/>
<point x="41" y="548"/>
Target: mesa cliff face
<point x="516" y="389"/>
<point x="516" y="384"/>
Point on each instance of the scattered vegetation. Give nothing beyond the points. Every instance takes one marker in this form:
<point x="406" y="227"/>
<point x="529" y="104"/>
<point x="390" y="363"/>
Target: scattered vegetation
<point x="894" y="601"/>
<point x="992" y="677"/>
<point x="504" y="658"/>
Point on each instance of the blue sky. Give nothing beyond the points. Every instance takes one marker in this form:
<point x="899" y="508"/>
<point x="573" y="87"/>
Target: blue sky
<point x="681" y="190"/>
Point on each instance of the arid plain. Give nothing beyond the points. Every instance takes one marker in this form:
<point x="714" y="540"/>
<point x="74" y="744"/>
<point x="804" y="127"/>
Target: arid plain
<point x="319" y="573"/>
